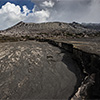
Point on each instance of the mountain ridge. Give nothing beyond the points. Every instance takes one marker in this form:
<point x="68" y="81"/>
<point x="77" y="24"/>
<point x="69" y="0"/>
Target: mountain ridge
<point x="48" y="29"/>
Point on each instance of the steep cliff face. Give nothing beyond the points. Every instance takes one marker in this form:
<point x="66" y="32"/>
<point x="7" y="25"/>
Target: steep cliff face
<point x="34" y="70"/>
<point x="89" y="64"/>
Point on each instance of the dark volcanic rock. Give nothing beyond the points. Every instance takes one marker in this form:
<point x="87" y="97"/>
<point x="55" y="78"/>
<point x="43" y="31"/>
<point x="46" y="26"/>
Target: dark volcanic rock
<point x="33" y="70"/>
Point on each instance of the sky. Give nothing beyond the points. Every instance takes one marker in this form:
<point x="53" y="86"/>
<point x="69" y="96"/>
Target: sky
<point x="38" y="11"/>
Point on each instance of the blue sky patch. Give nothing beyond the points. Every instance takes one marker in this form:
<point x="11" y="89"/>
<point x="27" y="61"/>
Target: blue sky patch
<point x="21" y="3"/>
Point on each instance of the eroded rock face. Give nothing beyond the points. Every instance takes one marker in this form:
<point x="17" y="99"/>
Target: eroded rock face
<point x="34" y="70"/>
<point x="86" y="54"/>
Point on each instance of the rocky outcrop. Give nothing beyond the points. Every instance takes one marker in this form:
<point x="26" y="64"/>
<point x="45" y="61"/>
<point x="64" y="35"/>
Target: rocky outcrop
<point x="89" y="64"/>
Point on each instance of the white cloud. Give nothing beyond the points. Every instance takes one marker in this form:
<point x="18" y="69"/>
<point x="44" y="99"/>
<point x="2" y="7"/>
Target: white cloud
<point x="94" y="13"/>
<point x="71" y="10"/>
<point x="38" y="16"/>
<point x="42" y="15"/>
<point x="25" y="10"/>
<point x="48" y="4"/>
<point x="8" y="7"/>
<point x="11" y="14"/>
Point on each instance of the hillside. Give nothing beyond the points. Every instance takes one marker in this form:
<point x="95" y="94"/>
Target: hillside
<point x="49" y="30"/>
<point x="49" y="61"/>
